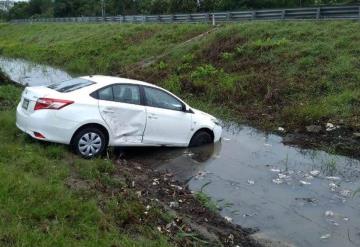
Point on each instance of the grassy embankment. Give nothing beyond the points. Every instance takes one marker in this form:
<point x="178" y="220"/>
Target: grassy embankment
<point x="37" y="208"/>
<point x="287" y="74"/>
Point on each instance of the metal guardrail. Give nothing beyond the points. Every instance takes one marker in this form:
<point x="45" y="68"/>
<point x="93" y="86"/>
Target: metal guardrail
<point x="315" y="13"/>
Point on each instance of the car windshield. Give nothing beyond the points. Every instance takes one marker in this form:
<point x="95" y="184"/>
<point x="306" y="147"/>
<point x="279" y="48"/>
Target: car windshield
<point x="71" y="85"/>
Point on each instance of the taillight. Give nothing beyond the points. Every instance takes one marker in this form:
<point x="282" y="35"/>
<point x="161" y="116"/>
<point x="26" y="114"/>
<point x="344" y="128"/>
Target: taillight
<point x="55" y="104"/>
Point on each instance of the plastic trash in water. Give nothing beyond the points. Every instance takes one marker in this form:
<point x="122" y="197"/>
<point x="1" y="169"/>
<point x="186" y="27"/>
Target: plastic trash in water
<point x="333" y="186"/>
<point x="314" y="173"/>
<point x="308" y="176"/>
<point x="333" y="178"/>
<point x="345" y="193"/>
<point x="325" y="236"/>
<point x="304" y="182"/>
<point x="281" y="129"/>
<point x="277" y="181"/>
<point x="251" y="182"/>
<point x="275" y="170"/>
<point x="329" y="213"/>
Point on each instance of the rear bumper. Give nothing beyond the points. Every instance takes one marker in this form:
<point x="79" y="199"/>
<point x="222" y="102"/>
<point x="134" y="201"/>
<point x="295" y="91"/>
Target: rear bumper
<point x="46" y="123"/>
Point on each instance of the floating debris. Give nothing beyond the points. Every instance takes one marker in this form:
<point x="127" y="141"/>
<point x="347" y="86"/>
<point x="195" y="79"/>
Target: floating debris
<point x="304" y="182"/>
<point x="251" y="182"/>
<point x="282" y="176"/>
<point x="345" y="193"/>
<point x="329" y="213"/>
<point x="275" y="170"/>
<point x="333" y="186"/>
<point x="226" y="139"/>
<point x="314" y="173"/>
<point x="333" y="222"/>
<point x="188" y="153"/>
<point x="325" y="236"/>
<point x="248" y="215"/>
<point x="333" y="178"/>
<point x="308" y="177"/>
<point x="346" y="219"/>
<point x="201" y="174"/>
<point x="277" y="181"/>
<point x="281" y="129"/>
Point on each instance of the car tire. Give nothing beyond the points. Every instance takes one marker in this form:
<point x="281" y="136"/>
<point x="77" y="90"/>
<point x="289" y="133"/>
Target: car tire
<point x="89" y="142"/>
<point x="200" y="138"/>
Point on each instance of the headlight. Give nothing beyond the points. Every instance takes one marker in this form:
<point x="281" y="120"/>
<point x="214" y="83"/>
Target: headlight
<point x="215" y="121"/>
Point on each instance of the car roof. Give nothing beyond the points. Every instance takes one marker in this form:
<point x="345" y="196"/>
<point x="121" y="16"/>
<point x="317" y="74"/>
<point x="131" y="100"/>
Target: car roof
<point x="107" y="80"/>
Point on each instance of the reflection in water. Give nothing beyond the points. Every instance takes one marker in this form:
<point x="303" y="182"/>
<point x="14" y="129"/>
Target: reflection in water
<point x="184" y="163"/>
<point x="270" y="186"/>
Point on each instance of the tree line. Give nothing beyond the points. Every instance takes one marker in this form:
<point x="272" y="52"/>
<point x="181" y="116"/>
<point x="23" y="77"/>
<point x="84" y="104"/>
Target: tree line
<point x="75" y="8"/>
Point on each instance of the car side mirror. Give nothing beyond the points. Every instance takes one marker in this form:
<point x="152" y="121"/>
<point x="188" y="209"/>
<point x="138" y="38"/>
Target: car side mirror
<point x="187" y="108"/>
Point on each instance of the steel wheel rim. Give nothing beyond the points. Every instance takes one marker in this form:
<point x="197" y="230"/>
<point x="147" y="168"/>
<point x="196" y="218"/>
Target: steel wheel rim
<point x="90" y="144"/>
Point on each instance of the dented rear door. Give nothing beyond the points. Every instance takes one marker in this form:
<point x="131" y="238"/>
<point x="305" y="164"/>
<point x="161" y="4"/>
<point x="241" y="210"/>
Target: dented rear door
<point x="120" y="108"/>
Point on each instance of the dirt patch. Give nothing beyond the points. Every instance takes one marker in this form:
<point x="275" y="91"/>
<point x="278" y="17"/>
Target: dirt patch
<point x="191" y="216"/>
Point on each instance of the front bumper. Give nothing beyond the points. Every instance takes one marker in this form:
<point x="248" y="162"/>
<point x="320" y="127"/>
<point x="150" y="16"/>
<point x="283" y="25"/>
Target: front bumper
<point x="217" y="133"/>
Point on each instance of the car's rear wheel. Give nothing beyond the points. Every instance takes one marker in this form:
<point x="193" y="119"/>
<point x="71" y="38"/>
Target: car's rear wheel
<point x="202" y="137"/>
<point x="89" y="142"/>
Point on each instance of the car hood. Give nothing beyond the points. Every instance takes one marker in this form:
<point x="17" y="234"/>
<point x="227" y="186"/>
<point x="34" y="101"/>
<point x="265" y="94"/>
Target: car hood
<point x="203" y="114"/>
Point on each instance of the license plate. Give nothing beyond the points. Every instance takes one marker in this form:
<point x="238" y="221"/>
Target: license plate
<point x="25" y="104"/>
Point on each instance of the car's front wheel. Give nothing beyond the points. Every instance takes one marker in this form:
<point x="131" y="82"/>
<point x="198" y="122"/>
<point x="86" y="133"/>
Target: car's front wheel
<point x="89" y="142"/>
<point x="200" y="138"/>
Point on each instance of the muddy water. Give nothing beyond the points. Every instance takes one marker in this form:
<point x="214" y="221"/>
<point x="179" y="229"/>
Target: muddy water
<point x="256" y="180"/>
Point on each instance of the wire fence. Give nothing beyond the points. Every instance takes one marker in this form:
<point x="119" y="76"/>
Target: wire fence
<point x="315" y="13"/>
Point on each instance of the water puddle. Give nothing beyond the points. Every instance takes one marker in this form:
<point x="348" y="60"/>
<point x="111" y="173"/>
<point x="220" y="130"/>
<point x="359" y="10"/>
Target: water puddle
<point x="28" y="73"/>
<point x="303" y="197"/>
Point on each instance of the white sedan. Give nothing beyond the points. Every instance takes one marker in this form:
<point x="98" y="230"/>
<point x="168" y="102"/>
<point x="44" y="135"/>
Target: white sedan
<point x="89" y="113"/>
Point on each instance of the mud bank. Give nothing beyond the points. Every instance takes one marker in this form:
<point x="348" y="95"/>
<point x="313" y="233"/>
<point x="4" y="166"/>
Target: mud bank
<point x="191" y="218"/>
<point x="343" y="141"/>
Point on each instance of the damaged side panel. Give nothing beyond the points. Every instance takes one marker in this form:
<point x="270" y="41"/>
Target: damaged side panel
<point x="126" y="121"/>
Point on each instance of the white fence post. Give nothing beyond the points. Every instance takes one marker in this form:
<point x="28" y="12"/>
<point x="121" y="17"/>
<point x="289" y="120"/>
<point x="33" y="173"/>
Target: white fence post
<point x="213" y="19"/>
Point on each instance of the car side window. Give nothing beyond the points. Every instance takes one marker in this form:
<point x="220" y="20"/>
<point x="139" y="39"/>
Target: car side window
<point x="106" y="94"/>
<point x="161" y="99"/>
<point x="127" y="94"/>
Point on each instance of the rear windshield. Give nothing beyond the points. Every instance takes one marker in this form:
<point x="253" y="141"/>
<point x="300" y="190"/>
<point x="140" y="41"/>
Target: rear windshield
<point x="71" y="85"/>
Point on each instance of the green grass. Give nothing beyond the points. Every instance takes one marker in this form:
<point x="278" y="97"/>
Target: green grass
<point x="272" y="74"/>
<point x="38" y="209"/>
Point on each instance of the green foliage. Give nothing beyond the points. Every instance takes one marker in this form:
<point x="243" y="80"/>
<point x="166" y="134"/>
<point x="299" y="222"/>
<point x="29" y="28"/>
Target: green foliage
<point x="173" y="84"/>
<point x="204" y="72"/>
<point x="206" y="201"/>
